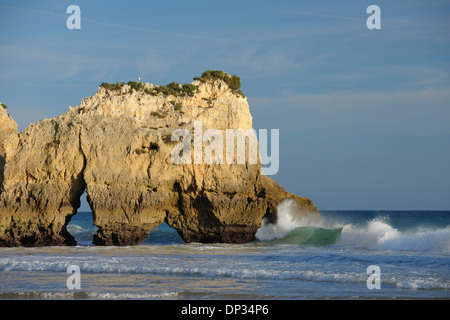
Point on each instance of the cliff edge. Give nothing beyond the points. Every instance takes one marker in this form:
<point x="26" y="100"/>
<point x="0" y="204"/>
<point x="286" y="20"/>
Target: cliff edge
<point x="7" y="126"/>
<point x="118" y="147"/>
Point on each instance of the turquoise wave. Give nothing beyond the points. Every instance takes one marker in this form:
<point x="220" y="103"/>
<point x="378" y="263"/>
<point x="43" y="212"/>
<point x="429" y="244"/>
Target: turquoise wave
<point x="311" y="236"/>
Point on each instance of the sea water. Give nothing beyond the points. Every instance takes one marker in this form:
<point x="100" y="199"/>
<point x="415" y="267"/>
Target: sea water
<point x="325" y="258"/>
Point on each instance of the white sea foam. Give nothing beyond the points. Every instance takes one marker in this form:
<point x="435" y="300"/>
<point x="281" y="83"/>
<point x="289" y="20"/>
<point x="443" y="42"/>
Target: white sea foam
<point x="378" y="234"/>
<point x="106" y="265"/>
<point x="131" y="295"/>
<point x="423" y="284"/>
<point x="219" y="270"/>
<point x="288" y="219"/>
<point x="182" y="269"/>
<point x="369" y="236"/>
<point x="375" y="234"/>
<point x="85" y="295"/>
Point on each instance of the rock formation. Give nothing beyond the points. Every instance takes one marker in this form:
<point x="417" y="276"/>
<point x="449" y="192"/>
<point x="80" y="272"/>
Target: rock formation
<point x="7" y="126"/>
<point x="116" y="146"/>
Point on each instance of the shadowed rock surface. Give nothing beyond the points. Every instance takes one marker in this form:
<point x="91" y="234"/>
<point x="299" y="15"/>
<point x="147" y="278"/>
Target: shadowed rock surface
<point x="116" y="146"/>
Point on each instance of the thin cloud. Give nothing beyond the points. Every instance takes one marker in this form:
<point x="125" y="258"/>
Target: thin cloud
<point x="264" y="62"/>
<point x="121" y="26"/>
<point x="37" y="63"/>
<point x="332" y="16"/>
<point x="423" y="113"/>
<point x="34" y="10"/>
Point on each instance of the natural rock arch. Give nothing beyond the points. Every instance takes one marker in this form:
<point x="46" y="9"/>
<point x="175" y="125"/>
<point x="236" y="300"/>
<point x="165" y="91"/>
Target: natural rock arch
<point x="117" y="147"/>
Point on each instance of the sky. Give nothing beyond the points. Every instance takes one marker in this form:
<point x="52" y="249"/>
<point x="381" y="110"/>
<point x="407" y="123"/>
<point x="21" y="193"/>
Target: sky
<point x="363" y="115"/>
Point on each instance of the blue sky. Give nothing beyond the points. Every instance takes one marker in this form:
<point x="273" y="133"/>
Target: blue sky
<point x="363" y="114"/>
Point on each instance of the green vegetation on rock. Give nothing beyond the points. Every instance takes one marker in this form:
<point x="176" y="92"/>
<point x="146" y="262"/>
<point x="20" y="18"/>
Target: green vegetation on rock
<point x="112" y="86"/>
<point x="180" y="90"/>
<point x="233" y="82"/>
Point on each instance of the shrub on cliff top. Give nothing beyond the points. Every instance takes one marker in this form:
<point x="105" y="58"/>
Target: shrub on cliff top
<point x="179" y="90"/>
<point x="136" y="85"/>
<point x="233" y="82"/>
<point x="112" y="86"/>
<point x="4" y="106"/>
<point x="176" y="89"/>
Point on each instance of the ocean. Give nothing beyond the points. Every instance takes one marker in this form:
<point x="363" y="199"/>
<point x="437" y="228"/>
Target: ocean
<point x="345" y="255"/>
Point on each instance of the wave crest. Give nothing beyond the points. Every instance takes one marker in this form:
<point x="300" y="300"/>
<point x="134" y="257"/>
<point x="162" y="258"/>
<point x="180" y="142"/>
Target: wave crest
<point x="293" y="227"/>
<point x="378" y="234"/>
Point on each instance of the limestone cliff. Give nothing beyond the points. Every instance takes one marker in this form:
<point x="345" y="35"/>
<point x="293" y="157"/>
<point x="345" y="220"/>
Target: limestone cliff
<point x="7" y="126"/>
<point x="116" y="146"/>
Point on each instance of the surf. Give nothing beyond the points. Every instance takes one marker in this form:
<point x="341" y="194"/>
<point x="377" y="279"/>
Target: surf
<point x="292" y="227"/>
<point x="378" y="234"/>
<point x="355" y="231"/>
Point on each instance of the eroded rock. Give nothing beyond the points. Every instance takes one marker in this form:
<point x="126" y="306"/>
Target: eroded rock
<point x="117" y="147"/>
<point x="7" y="127"/>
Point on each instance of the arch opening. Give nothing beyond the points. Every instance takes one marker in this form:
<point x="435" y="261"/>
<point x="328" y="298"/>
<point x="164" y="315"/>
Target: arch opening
<point x="81" y="225"/>
<point x="163" y="234"/>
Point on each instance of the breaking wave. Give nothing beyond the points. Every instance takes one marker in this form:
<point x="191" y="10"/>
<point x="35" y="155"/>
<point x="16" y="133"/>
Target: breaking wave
<point x="380" y="235"/>
<point x="293" y="227"/>
<point x="290" y="224"/>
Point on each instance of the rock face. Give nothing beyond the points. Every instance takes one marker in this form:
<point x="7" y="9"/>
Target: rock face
<point x="117" y="147"/>
<point x="7" y="126"/>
